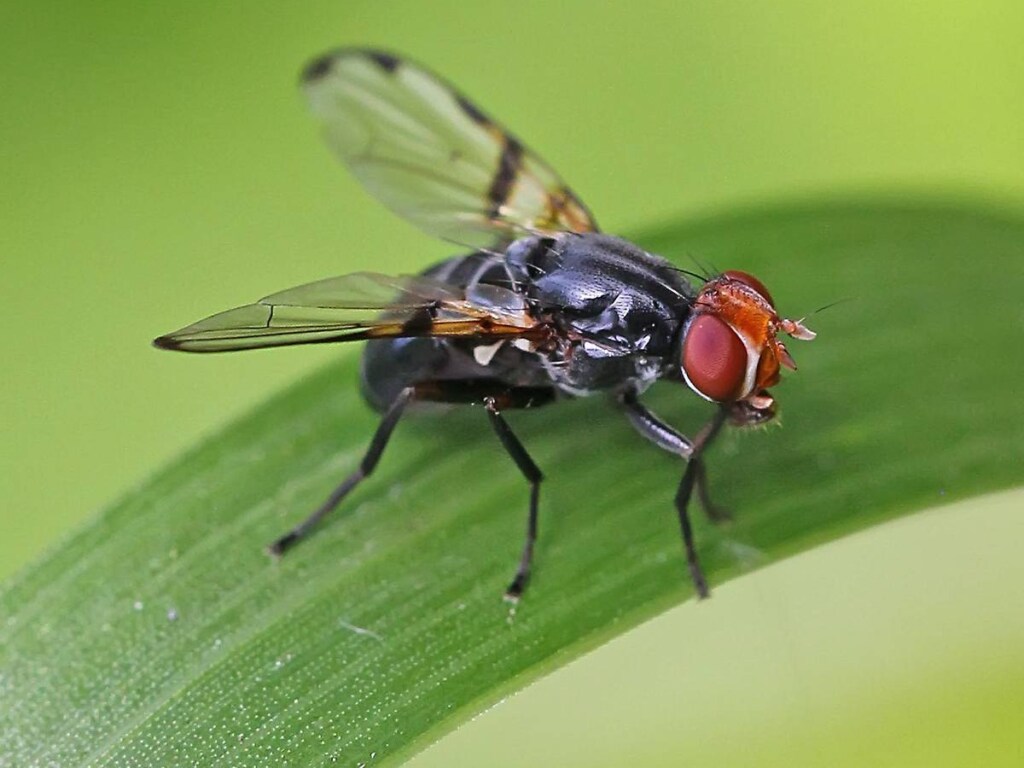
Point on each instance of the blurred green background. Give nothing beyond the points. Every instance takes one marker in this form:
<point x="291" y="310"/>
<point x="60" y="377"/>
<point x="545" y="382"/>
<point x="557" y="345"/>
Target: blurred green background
<point x="157" y="164"/>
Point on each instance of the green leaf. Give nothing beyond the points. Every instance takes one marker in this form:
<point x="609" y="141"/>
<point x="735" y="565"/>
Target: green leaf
<point x="162" y="635"/>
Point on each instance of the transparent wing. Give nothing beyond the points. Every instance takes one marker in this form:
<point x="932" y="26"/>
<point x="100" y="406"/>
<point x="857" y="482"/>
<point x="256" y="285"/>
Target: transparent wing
<point x="430" y="155"/>
<point x="363" y="305"/>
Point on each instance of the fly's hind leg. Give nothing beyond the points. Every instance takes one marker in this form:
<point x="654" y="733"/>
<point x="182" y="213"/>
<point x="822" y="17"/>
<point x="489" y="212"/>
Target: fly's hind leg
<point x="377" y="445"/>
<point x="496" y="397"/>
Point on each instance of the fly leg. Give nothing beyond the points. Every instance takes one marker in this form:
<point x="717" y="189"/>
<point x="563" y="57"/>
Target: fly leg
<point x="716" y="513"/>
<point x="653" y="428"/>
<point x="668" y="439"/>
<point x="497" y="397"/>
<point x="686" y="485"/>
<point x="366" y="467"/>
<point x="695" y="474"/>
<point x="533" y="476"/>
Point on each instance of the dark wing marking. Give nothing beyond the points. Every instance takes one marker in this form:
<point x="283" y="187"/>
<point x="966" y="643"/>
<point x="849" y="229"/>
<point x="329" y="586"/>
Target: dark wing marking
<point x="363" y="305"/>
<point x="431" y="156"/>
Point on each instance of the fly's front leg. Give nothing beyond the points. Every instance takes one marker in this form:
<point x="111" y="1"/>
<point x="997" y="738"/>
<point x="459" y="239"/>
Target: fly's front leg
<point x="694" y="471"/>
<point x="695" y="474"/>
<point x="668" y="439"/>
<point x="653" y="428"/>
<point x="716" y="513"/>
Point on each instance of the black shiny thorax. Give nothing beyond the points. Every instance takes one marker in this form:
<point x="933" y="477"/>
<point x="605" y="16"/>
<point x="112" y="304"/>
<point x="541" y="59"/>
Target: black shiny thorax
<point x="614" y="310"/>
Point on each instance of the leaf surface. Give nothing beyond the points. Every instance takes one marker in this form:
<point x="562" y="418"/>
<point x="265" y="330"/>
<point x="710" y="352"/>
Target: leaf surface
<point x="160" y="634"/>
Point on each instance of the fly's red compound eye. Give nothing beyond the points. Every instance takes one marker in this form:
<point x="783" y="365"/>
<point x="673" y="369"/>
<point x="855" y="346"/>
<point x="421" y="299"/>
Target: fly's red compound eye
<point x="714" y="359"/>
<point x="749" y="280"/>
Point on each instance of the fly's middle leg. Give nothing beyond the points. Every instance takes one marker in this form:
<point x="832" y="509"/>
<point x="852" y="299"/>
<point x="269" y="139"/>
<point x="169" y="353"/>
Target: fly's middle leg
<point x="497" y="397"/>
<point x="533" y="475"/>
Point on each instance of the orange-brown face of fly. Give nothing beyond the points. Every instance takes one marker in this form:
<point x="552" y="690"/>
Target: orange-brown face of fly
<point x="730" y="349"/>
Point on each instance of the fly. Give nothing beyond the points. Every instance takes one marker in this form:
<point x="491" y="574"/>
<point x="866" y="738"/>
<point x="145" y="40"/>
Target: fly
<point x="543" y="308"/>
